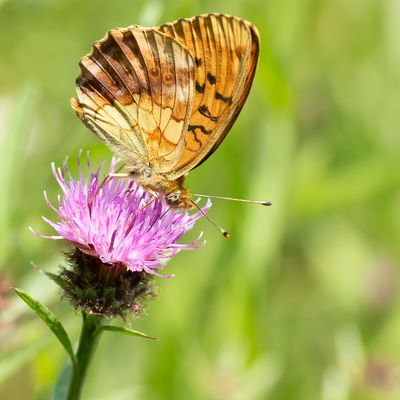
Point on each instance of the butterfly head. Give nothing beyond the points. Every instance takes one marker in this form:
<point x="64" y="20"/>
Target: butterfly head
<point x="179" y="198"/>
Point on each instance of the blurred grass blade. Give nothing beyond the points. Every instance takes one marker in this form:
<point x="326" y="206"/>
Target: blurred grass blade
<point x="13" y="361"/>
<point x="16" y="126"/>
<point x="62" y="385"/>
<point x="49" y="319"/>
<point x="126" y="331"/>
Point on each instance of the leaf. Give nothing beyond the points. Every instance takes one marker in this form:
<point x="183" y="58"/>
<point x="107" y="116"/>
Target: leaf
<point x="49" y="319"/>
<point x="126" y="331"/>
<point x="60" y="391"/>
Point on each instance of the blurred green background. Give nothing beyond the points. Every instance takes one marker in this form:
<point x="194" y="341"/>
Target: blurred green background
<point x="303" y="301"/>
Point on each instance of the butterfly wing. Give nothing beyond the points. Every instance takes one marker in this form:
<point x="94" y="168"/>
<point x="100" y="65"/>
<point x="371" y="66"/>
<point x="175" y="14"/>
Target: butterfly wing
<point x="135" y="92"/>
<point x="225" y="50"/>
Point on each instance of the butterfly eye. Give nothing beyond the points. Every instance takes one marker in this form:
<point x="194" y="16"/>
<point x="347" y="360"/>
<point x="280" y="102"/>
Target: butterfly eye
<point x="174" y="197"/>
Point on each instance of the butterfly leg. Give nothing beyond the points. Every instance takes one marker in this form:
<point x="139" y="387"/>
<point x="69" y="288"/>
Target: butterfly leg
<point x="155" y="197"/>
<point x="110" y="176"/>
<point x="118" y="175"/>
<point x="122" y="175"/>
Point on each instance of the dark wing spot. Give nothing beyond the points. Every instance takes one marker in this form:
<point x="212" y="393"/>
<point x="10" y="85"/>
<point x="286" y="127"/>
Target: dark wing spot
<point x="200" y="88"/>
<point x="203" y="110"/>
<point x="227" y="100"/>
<point x="193" y="128"/>
<point x="198" y="61"/>
<point x="211" y="78"/>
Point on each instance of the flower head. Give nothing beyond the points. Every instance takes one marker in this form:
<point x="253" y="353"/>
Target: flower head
<point x="117" y="221"/>
<point x="115" y="224"/>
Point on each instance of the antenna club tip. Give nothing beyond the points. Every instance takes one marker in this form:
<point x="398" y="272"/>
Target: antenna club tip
<point x="226" y="234"/>
<point x="266" y="203"/>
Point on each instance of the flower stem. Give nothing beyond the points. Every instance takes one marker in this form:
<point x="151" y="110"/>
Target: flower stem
<point x="88" y="340"/>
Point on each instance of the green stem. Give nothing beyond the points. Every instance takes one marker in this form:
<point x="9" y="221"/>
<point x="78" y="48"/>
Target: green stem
<point x="88" y="340"/>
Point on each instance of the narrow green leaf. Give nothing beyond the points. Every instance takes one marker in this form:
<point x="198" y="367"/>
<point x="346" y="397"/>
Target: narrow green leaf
<point x="49" y="319"/>
<point x="126" y="331"/>
<point x="60" y="391"/>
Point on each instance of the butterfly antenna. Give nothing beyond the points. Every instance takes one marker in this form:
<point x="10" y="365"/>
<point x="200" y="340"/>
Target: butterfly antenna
<point x="222" y="230"/>
<point x="261" y="202"/>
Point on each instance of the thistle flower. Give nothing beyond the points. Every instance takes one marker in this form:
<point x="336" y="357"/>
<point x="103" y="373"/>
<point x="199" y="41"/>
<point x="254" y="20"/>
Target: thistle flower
<point x="121" y="236"/>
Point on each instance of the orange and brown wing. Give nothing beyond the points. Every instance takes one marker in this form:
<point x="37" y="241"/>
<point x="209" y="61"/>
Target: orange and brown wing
<point x="225" y="50"/>
<point x="135" y="92"/>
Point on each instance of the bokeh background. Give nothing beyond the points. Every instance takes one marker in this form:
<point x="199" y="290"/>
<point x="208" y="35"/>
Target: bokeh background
<point x="303" y="301"/>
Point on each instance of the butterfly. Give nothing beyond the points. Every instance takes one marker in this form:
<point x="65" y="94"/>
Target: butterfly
<point x="164" y="98"/>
